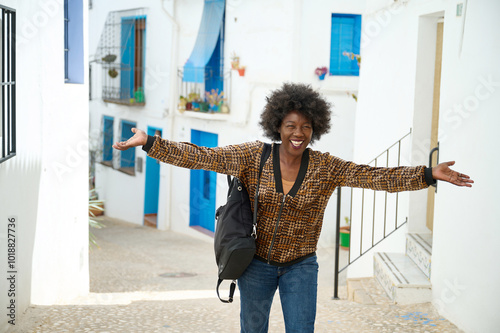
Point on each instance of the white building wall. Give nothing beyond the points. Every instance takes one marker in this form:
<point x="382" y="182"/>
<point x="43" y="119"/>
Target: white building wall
<point x="463" y="274"/>
<point x="46" y="184"/>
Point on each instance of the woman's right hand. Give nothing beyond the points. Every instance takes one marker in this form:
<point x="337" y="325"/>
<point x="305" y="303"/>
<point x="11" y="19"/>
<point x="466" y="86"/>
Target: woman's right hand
<point x="140" y="138"/>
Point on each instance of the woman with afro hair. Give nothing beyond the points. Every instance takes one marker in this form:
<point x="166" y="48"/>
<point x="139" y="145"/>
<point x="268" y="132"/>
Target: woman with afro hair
<point x="295" y="185"/>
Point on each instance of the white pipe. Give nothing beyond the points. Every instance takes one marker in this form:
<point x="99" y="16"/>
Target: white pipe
<point x="172" y="102"/>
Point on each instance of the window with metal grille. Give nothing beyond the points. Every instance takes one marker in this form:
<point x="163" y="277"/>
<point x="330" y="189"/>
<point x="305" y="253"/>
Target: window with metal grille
<point x="121" y="53"/>
<point x="8" y="86"/>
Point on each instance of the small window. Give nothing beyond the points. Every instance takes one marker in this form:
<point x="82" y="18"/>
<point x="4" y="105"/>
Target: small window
<point x="346" y="37"/>
<point x="127" y="157"/>
<point x="107" y="147"/>
<point x="73" y="41"/>
<point x="8" y="85"/>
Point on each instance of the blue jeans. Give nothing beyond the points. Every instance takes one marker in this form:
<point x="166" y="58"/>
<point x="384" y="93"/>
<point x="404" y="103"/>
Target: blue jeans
<point x="298" y="287"/>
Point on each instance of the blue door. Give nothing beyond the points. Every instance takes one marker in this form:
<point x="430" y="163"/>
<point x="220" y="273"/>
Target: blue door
<point x="152" y="187"/>
<point x="202" y="194"/>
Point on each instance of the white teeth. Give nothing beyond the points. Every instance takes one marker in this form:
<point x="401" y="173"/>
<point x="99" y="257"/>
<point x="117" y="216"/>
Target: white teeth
<point x="296" y="143"/>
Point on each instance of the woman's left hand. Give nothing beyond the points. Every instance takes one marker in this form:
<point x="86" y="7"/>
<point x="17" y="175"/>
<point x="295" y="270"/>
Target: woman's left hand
<point x="443" y="172"/>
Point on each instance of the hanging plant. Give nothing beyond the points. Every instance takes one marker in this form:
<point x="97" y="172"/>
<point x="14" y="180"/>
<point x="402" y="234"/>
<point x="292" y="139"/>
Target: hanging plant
<point x="113" y="73"/>
<point x="109" y="58"/>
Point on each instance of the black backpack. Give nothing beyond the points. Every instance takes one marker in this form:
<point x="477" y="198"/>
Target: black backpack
<point x="235" y="234"/>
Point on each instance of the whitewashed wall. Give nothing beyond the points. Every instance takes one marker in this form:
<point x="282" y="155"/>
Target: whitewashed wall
<point x="466" y="228"/>
<point x="46" y="184"/>
<point x="467" y="223"/>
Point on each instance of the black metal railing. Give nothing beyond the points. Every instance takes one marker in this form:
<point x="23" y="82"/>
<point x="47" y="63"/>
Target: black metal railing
<point x="8" y="84"/>
<point x="376" y="219"/>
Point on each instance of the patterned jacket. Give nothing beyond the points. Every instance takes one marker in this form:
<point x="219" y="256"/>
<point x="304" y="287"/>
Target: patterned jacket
<point x="289" y="225"/>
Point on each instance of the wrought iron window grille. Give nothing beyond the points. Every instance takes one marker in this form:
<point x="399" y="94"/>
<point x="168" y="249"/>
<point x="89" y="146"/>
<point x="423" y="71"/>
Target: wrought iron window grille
<point x="8" y="84"/>
<point x="121" y="54"/>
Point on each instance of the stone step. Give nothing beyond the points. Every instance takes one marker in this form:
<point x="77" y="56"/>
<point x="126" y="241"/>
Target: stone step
<point x="401" y="279"/>
<point x="356" y="291"/>
<point x="419" y="249"/>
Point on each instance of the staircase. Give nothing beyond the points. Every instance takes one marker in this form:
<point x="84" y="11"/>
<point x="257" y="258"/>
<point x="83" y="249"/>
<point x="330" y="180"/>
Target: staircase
<point x="405" y="277"/>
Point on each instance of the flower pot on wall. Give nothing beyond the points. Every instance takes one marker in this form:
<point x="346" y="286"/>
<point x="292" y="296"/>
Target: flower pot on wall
<point x="241" y="71"/>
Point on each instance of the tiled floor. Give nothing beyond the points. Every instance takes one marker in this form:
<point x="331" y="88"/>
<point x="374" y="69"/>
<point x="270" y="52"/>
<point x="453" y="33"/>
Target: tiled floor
<point x="145" y="280"/>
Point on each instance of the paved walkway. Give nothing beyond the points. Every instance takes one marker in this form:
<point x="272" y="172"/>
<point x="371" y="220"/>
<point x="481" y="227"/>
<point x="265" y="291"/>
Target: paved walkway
<point x="145" y="280"/>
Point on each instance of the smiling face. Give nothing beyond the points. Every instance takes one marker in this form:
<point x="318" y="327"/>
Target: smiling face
<point x="296" y="133"/>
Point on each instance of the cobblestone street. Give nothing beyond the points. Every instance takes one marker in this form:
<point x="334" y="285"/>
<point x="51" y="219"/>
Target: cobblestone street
<point x="145" y="280"/>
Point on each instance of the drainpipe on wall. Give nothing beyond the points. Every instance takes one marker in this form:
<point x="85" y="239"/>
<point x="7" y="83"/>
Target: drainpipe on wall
<point x="172" y="93"/>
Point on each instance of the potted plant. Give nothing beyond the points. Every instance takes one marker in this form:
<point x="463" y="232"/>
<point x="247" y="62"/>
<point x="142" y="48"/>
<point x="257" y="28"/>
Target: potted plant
<point x="321" y="72"/>
<point x="235" y="61"/>
<point x="224" y="108"/>
<point x="182" y="103"/>
<point x="109" y="58"/>
<point x="241" y="70"/>
<point x="113" y="73"/>
<point x="345" y="234"/>
<point x="139" y="95"/>
<point x="193" y="101"/>
<point x="353" y="56"/>
<point x="214" y="99"/>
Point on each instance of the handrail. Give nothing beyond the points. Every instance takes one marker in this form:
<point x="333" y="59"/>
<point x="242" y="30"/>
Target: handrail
<point x="365" y="221"/>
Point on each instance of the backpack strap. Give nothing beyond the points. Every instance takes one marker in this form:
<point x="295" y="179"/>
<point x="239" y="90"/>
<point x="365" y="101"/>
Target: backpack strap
<point x="266" y="151"/>
<point x="231" y="291"/>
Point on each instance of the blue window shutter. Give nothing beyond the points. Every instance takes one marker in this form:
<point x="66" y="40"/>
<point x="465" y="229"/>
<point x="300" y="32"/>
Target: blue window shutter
<point x="346" y="35"/>
<point x="127" y="58"/>
<point x="107" y="151"/>
<point x="127" y="158"/>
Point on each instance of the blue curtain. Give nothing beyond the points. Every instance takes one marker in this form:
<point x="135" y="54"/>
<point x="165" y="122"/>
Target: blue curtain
<point x="208" y="35"/>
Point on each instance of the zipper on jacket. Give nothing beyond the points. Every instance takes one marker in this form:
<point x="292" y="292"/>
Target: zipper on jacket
<point x="276" y="229"/>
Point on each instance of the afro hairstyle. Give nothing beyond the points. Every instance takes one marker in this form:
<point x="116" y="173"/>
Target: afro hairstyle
<point x="295" y="97"/>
